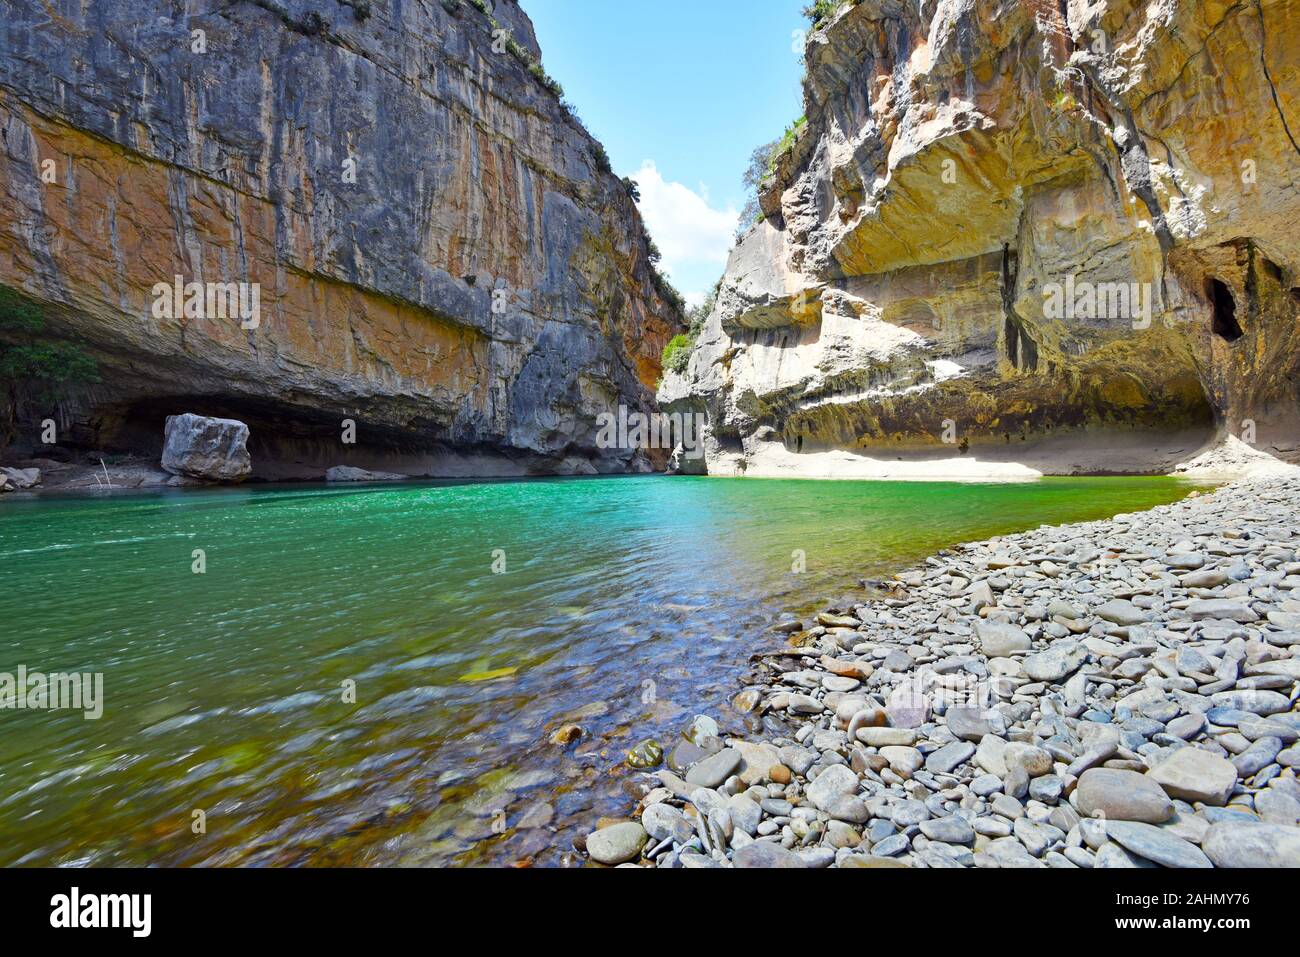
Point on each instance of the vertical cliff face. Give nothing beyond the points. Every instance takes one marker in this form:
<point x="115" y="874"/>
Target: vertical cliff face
<point x="440" y="249"/>
<point x="1023" y="232"/>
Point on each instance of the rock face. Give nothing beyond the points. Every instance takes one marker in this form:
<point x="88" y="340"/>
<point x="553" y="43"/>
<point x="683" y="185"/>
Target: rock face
<point x="345" y="473"/>
<point x="1012" y="231"/>
<point x="205" y="448"/>
<point x="437" y="248"/>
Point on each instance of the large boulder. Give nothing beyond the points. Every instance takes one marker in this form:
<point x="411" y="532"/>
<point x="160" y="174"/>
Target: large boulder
<point x="19" y="478"/>
<point x="213" y="449"/>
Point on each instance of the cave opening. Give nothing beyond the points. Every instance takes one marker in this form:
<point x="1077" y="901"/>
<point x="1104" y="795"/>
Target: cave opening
<point x="1225" y="323"/>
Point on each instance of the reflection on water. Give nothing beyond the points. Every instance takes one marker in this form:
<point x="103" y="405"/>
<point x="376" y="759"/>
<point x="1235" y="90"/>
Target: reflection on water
<point x="473" y="620"/>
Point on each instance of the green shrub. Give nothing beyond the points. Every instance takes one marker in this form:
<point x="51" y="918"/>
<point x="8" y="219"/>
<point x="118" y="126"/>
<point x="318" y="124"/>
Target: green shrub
<point x="31" y="366"/>
<point x="821" y="10"/>
<point x="677" y="354"/>
<point x="696" y="315"/>
<point x="513" y="47"/>
<point x="762" y="165"/>
<point x="785" y="144"/>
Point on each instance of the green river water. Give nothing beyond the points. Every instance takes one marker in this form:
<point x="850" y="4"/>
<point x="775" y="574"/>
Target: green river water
<point x="224" y="691"/>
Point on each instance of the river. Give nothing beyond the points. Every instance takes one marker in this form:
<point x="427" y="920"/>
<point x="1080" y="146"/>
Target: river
<point x="370" y="675"/>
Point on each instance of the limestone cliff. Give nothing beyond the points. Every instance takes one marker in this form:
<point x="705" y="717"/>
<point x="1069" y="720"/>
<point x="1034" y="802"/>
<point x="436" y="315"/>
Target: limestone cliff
<point x="971" y="172"/>
<point x="442" y="253"/>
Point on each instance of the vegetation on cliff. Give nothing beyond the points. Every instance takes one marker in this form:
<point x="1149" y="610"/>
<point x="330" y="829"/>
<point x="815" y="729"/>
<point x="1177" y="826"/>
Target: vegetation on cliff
<point x="34" y="368"/>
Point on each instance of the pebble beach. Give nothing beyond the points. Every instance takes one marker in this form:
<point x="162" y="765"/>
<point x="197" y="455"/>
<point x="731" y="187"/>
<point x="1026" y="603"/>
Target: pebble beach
<point x="1120" y="693"/>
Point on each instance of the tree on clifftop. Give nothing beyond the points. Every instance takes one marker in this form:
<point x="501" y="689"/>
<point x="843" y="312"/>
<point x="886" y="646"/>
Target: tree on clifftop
<point x="760" y="164"/>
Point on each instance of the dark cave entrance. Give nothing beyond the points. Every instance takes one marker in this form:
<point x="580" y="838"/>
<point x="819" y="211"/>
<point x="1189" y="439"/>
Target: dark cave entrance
<point x="1225" y="323"/>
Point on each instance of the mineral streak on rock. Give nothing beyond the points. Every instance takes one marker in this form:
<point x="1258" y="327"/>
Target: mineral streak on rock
<point x="386" y="180"/>
<point x="968" y="166"/>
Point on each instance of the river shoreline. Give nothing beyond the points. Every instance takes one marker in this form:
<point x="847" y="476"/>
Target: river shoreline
<point x="1181" y="455"/>
<point x="1120" y="693"/>
<point x="1187" y="454"/>
<point x="463" y="675"/>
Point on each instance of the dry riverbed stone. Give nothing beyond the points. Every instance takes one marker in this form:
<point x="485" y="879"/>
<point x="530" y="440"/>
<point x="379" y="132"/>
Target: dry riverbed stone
<point x="714" y="769"/>
<point x="1156" y="844"/>
<point x="1056" y="663"/>
<point x="764" y="855"/>
<point x="1119" y="795"/>
<point x="946" y="759"/>
<point x="1121" y="612"/>
<point x="835" y="782"/>
<point x="998" y="639"/>
<point x="1233" y="844"/>
<point x="968" y="724"/>
<point x="1192" y="774"/>
<point x="617" y="843"/>
<point x="1135" y="728"/>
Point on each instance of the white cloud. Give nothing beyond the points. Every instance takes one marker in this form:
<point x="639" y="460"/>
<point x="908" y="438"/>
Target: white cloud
<point x="693" y="236"/>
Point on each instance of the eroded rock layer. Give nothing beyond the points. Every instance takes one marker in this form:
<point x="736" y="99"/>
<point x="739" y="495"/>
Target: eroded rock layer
<point x="442" y="254"/>
<point x="1018" y="230"/>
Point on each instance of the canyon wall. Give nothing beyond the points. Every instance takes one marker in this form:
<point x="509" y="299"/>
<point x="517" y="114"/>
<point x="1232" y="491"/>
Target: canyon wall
<point x="441" y="252"/>
<point x="1023" y="237"/>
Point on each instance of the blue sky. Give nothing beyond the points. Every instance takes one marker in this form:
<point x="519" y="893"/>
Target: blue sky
<point x="680" y="92"/>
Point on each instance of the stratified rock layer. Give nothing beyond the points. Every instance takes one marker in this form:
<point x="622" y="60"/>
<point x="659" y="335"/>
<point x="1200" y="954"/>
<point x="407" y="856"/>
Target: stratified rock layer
<point x="968" y="165"/>
<point x="442" y="255"/>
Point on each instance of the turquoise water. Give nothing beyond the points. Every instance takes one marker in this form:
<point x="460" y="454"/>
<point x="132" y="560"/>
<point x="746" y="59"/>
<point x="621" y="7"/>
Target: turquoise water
<point x="632" y="602"/>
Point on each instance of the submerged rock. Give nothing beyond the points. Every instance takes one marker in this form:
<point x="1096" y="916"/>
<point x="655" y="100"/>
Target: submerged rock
<point x="645" y="755"/>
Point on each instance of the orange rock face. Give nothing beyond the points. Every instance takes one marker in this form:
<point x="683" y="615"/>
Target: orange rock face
<point x="968" y="166"/>
<point x="438" y="251"/>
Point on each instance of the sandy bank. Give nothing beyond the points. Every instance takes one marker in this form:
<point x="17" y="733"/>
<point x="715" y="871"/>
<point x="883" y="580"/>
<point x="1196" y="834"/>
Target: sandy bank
<point x="1184" y="454"/>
